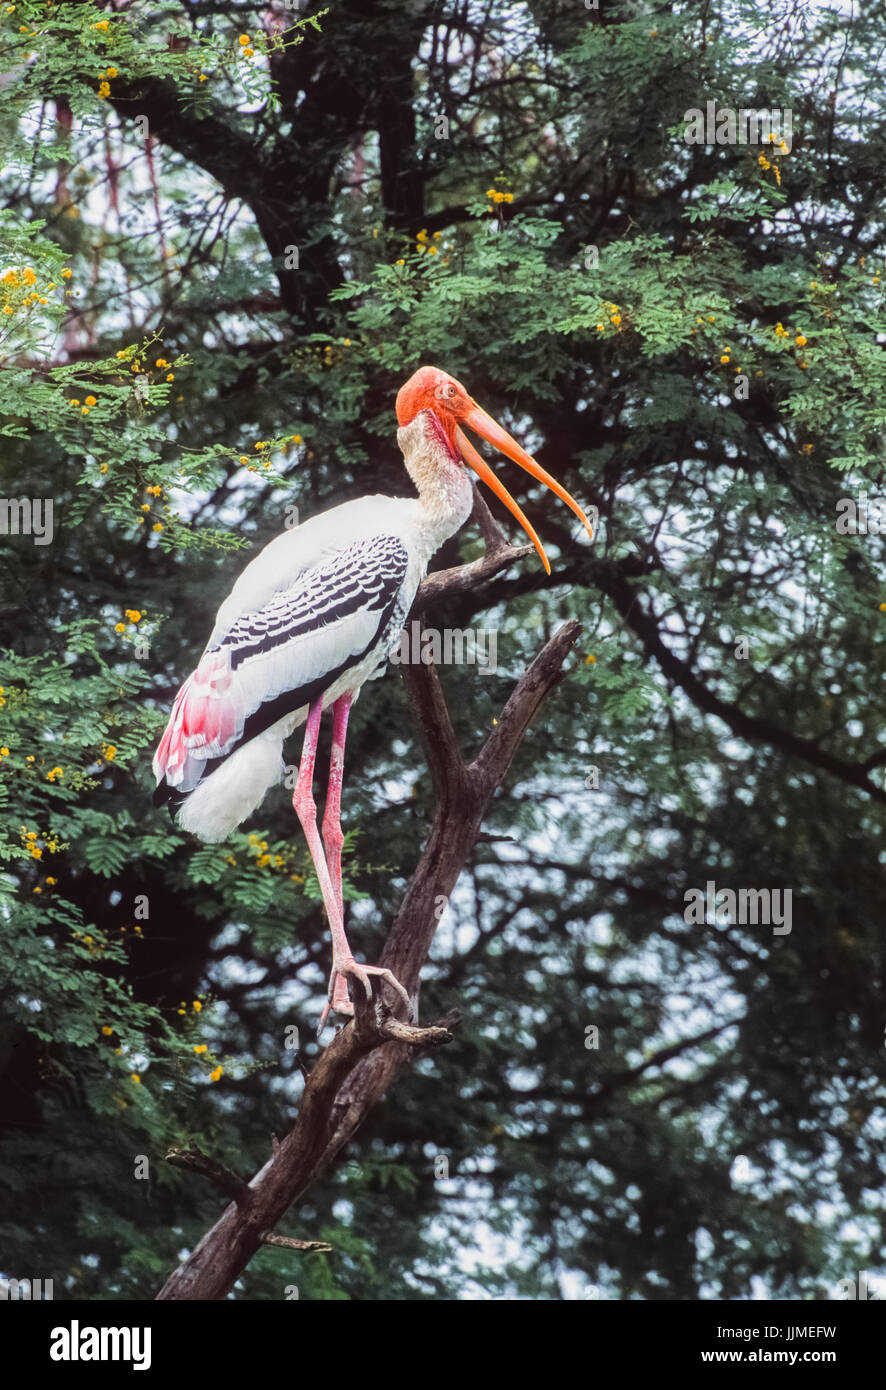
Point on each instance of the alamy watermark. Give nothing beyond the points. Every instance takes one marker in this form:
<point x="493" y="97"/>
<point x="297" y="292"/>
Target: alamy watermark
<point x="27" y="516"/>
<point x="746" y="126"/>
<point x="454" y="646"/>
<point x="858" y="516"/>
<point x="719" y="907"/>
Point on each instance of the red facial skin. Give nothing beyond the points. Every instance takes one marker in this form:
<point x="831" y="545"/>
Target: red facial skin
<point x="432" y="389"/>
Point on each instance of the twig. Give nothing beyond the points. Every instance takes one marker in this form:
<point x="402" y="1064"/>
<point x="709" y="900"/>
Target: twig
<point x="289" y="1243"/>
<point x="224" y="1178"/>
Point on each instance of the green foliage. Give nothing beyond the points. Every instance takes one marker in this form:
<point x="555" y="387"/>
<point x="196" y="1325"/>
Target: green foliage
<point x="662" y="379"/>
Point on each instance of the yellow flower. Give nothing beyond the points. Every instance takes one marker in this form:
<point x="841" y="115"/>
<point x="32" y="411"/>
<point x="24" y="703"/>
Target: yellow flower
<point x="119" y="627"/>
<point x="615" y="318"/>
<point x="490" y="193"/>
<point x="106" y="1030"/>
<point x="590" y="659"/>
<point x="243" y="458"/>
<point x="102" y="24"/>
<point x="800" y="340"/>
<point x="73" y="402"/>
<point x="200" y="1048"/>
<point x="134" y="1076"/>
<point x="90" y="400"/>
<point x="36" y="853"/>
<point x="66" y="275"/>
<point x="508" y="197"/>
<point x="296" y="439"/>
<point x="7" y="309"/>
<point x="197" y="1006"/>
<point x="170" y="377"/>
<point x="202" y="77"/>
<point x="134" y="615"/>
<point x="104" y="90"/>
<point x="399" y="262"/>
<point x="157" y="526"/>
<point x="243" y="40"/>
<point x="249" y="53"/>
<point x="112" y="72"/>
<point x="51" y="881"/>
<point x="110" y="752"/>
<point x="217" y="1074"/>
<point x="4" y="752"/>
<point x="161" y="362"/>
<point x="725" y="359"/>
<point x="883" y="607"/>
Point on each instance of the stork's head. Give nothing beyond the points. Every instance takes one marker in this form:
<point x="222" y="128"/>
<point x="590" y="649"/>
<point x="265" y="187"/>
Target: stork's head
<point x="449" y="407"/>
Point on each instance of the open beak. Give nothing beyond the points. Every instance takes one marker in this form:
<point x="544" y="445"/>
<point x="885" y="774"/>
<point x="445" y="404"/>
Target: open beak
<point x="484" y="425"/>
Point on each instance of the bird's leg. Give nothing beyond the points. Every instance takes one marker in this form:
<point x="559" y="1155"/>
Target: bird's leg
<point x="333" y="839"/>
<point x="343" y="963"/>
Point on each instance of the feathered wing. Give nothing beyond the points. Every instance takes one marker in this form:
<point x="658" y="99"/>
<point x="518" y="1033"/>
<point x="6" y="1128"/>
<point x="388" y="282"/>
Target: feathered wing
<point x="222" y="747"/>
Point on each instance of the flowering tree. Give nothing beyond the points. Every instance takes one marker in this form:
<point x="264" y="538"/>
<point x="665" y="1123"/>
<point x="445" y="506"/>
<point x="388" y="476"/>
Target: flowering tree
<point x="226" y="239"/>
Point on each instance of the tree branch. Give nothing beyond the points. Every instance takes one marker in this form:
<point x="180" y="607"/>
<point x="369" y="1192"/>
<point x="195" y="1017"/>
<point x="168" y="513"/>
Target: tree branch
<point x="365" y="1056"/>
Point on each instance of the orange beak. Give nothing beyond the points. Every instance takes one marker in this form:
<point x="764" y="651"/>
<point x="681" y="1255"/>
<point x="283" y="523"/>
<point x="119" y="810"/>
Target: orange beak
<point x="484" y="425"/>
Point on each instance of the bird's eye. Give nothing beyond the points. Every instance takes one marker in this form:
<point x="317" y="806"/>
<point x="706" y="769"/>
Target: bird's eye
<point x="450" y="390"/>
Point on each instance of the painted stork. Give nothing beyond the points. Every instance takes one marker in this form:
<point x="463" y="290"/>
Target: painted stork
<point x="314" y="615"/>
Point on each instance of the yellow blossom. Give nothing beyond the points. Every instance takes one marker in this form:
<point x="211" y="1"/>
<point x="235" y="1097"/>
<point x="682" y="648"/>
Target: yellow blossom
<point x="200" y="1048"/>
<point x="134" y="1076"/>
<point x="197" y="1006"/>
<point x="66" y="274"/>
<point x="134" y="615"/>
<point x="104" y="90"/>
<point x="217" y="1074"/>
<point x="110" y="752"/>
<point x="112" y="72"/>
<point x="157" y="526"/>
<point x="106" y="1030"/>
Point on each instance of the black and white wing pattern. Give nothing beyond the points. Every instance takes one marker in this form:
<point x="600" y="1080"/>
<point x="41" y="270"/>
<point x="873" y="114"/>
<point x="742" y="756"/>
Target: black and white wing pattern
<point x="277" y="658"/>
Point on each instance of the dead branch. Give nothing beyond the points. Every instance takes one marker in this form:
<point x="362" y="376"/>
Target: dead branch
<point x="365" y="1056"/>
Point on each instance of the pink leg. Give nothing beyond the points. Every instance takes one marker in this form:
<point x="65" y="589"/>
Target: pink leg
<point x="343" y="962"/>
<point x="333" y="839"/>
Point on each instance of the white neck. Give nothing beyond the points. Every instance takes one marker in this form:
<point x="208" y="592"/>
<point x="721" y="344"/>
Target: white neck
<point x="445" y="498"/>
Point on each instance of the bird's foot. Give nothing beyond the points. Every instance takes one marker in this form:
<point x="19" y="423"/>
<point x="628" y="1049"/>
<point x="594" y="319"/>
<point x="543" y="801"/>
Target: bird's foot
<point x="338" y="1001"/>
